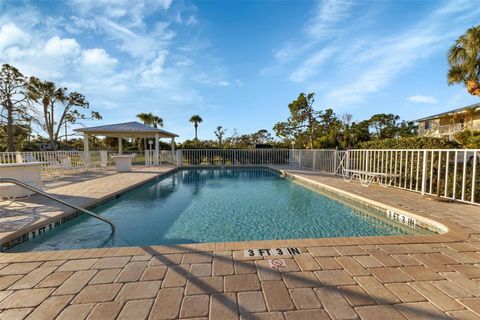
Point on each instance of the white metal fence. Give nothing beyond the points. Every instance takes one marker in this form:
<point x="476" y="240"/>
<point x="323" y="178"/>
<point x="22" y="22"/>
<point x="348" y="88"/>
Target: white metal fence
<point x="66" y="160"/>
<point x="57" y="159"/>
<point x="164" y="157"/>
<point x="330" y="161"/>
<point x="235" y="157"/>
<point x="447" y="173"/>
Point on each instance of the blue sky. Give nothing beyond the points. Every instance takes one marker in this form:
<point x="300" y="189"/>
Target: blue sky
<point x="239" y="64"/>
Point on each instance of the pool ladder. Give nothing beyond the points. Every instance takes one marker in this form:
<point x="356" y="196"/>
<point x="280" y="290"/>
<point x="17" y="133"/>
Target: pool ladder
<point x="40" y="192"/>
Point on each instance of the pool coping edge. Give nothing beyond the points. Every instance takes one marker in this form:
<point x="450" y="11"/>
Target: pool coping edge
<point x="452" y="232"/>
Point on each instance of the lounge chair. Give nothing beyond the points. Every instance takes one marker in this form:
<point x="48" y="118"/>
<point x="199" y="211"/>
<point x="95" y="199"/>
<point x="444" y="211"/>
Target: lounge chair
<point x="368" y="177"/>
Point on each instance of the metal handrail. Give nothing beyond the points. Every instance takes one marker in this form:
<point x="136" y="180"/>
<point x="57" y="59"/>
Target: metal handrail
<point x="40" y="192"/>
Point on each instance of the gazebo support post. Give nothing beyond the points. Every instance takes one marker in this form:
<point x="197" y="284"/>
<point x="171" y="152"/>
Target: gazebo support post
<point x="119" y="145"/>
<point x="157" y="147"/>
<point x="173" y="150"/>
<point x="86" y="150"/>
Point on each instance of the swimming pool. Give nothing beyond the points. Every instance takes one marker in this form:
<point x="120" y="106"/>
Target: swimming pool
<point x="216" y="205"/>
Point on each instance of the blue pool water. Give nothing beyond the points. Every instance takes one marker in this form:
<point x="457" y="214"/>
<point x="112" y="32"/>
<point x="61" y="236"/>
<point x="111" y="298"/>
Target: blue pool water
<point x="215" y="205"/>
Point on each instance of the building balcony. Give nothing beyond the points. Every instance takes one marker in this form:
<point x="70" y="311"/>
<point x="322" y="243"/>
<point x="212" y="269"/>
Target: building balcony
<point x="451" y="129"/>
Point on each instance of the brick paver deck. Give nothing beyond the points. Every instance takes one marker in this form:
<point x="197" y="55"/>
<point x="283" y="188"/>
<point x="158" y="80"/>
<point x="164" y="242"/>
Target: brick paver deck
<point x="83" y="189"/>
<point x="429" y="277"/>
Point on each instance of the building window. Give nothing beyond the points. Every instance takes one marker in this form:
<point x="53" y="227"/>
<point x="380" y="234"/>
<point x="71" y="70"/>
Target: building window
<point x="428" y="125"/>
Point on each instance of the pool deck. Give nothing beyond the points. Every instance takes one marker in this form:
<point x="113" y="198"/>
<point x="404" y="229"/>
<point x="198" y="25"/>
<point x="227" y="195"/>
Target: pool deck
<point x="407" y="277"/>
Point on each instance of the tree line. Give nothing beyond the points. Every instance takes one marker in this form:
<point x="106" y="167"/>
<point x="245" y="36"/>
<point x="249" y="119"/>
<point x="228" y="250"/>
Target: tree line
<point x="31" y="102"/>
<point x="309" y="128"/>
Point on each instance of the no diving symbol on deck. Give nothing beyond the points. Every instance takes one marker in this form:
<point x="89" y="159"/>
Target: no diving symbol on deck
<point x="277" y="264"/>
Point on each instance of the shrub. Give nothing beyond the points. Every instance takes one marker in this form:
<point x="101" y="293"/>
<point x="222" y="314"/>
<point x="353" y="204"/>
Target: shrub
<point x="469" y="139"/>
<point x="410" y="143"/>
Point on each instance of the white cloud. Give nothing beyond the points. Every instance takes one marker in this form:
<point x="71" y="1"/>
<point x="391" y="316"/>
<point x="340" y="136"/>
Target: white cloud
<point x="422" y="99"/>
<point x="165" y="4"/>
<point x="382" y="63"/>
<point x="214" y="78"/>
<point x="327" y="14"/>
<point x="140" y="44"/>
<point x="190" y="20"/>
<point x="285" y="53"/>
<point x="124" y="23"/>
<point x="325" y="22"/>
<point x="61" y="48"/>
<point x="223" y="83"/>
<point x="97" y="60"/>
<point x="310" y="67"/>
<point x="152" y="75"/>
<point x="45" y="58"/>
<point x="11" y="35"/>
<point x="154" y="67"/>
<point x="132" y="13"/>
<point x="77" y="25"/>
<point x="50" y="58"/>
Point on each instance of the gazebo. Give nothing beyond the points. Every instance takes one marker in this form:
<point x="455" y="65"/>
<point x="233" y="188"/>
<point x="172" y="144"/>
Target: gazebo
<point x="132" y="129"/>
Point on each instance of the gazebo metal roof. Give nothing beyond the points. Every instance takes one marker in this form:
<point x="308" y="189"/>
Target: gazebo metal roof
<point x="132" y="129"/>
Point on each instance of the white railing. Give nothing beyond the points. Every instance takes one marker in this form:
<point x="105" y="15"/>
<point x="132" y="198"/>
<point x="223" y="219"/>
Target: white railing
<point x="58" y="159"/>
<point x="448" y="173"/>
<point x="164" y="157"/>
<point x="323" y="160"/>
<point x="451" y="129"/>
<point x="234" y="157"/>
<point x="67" y="160"/>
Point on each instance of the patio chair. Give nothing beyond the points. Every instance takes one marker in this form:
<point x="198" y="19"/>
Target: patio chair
<point x="368" y="177"/>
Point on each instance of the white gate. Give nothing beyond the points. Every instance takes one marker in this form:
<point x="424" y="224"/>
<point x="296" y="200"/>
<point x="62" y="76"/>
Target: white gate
<point x="341" y="161"/>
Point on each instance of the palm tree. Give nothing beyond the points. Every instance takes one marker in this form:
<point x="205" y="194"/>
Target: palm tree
<point x="464" y="60"/>
<point x="196" y="120"/>
<point x="144" y="117"/>
<point x="157" y="122"/>
<point x="151" y="120"/>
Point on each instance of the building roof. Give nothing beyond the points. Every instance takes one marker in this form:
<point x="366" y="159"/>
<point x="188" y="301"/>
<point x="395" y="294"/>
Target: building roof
<point x="132" y="129"/>
<point x="439" y="115"/>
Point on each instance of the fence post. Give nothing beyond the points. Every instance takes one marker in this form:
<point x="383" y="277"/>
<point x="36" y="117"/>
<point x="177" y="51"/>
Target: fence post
<point x="179" y="157"/>
<point x="366" y="160"/>
<point x="313" y="160"/>
<point x="474" y="173"/>
<point x="103" y="158"/>
<point x="424" y="172"/>
<point x="347" y="165"/>
<point x="335" y="163"/>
